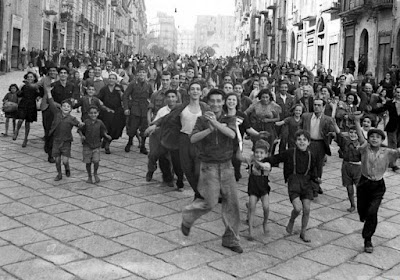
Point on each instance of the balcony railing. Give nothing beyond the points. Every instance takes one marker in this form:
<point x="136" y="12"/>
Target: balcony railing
<point x="330" y="7"/>
<point x="382" y="4"/>
<point x="354" y="7"/>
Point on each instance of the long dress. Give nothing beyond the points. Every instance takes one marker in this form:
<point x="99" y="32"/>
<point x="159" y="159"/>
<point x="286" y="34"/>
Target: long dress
<point x="114" y="122"/>
<point x="27" y="105"/>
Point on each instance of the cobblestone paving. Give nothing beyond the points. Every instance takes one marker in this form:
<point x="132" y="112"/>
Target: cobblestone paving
<point x="126" y="228"/>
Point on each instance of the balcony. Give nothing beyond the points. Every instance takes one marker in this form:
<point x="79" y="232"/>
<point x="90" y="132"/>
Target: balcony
<point x="271" y="5"/>
<point x="382" y="4"/>
<point x="354" y="7"/>
<point x="330" y="7"/>
<point x="297" y="18"/>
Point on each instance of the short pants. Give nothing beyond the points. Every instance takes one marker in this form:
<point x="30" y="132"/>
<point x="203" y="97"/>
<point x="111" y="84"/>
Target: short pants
<point x="300" y="186"/>
<point x="61" y="149"/>
<point x="351" y="173"/>
<point x="90" y="155"/>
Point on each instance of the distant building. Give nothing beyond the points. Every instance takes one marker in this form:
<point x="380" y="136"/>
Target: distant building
<point x="186" y="42"/>
<point x="163" y="32"/>
<point x="217" y="32"/>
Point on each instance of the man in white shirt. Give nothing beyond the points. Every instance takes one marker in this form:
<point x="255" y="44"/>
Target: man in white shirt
<point x="159" y="152"/>
<point x="349" y="77"/>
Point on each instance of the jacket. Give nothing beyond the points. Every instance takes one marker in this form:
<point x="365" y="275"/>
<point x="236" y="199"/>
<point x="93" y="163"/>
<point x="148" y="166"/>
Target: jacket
<point x="170" y="126"/>
<point x="326" y="125"/>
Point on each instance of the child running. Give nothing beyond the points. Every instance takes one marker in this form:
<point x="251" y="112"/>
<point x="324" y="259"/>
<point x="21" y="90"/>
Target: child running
<point x="351" y="166"/>
<point x="91" y="135"/>
<point x="299" y="171"/>
<point x="258" y="187"/>
<point x="88" y="101"/>
<point x="61" y="131"/>
<point x="11" y="96"/>
<point x="375" y="160"/>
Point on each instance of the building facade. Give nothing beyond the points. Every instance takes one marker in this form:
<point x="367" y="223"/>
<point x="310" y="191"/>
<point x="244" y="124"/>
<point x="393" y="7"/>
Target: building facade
<point x="216" y="32"/>
<point x="327" y="32"/>
<point x="14" y="32"/>
<point x="163" y="32"/>
<point x="186" y="42"/>
<point x="112" y="25"/>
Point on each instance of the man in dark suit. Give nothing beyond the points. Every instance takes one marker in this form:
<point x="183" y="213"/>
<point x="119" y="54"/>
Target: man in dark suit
<point x="319" y="126"/>
<point x="286" y="101"/>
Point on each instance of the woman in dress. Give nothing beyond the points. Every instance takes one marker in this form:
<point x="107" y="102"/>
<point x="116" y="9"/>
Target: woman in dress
<point x="263" y="115"/>
<point x="27" y="110"/>
<point x="111" y="95"/>
<point x="388" y="84"/>
<point x="23" y="56"/>
<point x="342" y="89"/>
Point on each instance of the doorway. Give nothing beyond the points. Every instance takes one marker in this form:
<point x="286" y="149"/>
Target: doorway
<point x="363" y="56"/>
<point x="16" y="41"/>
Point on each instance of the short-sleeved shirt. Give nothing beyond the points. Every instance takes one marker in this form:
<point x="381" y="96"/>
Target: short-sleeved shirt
<point x="93" y="132"/>
<point x="215" y="147"/>
<point x="374" y="164"/>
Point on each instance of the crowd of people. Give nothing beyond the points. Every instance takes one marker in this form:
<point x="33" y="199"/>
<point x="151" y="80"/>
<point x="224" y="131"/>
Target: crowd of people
<point x="197" y="111"/>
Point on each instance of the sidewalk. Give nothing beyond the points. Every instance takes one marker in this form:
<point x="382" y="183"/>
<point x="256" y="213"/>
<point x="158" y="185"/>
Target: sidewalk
<point x="126" y="228"/>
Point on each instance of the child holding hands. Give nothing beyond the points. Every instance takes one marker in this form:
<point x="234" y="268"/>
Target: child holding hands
<point x="258" y="187"/>
<point x="91" y="135"/>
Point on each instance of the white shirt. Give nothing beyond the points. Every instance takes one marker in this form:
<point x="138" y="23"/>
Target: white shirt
<point x="349" y="78"/>
<point x="283" y="98"/>
<point x="314" y="127"/>
<point x="188" y="120"/>
<point x="162" y="112"/>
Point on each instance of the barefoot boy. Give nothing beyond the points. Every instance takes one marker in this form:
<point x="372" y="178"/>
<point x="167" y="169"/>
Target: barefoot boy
<point x="299" y="170"/>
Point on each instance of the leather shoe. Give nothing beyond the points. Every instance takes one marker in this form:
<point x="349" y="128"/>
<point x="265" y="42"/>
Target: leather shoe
<point x="237" y="248"/>
<point x="185" y="230"/>
<point x="368" y="248"/>
<point x="51" y="160"/>
<point x="128" y="148"/>
<point x="144" y="151"/>
<point x="149" y="176"/>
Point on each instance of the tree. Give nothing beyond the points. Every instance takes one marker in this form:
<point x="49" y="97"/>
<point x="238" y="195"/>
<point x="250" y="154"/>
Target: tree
<point x="206" y="50"/>
<point x="156" y="50"/>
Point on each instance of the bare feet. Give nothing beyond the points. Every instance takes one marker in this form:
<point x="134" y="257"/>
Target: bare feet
<point x="351" y="209"/>
<point x="304" y="237"/>
<point x="4" y="134"/>
<point x="289" y="227"/>
<point x="89" y="180"/>
<point x="96" y="179"/>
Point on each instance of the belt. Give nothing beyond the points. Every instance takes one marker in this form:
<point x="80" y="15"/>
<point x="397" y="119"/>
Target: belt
<point x="317" y="140"/>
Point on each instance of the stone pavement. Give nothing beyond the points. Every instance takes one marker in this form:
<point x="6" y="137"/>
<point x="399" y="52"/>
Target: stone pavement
<point x="126" y="228"/>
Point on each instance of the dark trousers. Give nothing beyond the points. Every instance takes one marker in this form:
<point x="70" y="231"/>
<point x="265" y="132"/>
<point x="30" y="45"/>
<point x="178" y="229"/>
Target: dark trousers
<point x="47" y="120"/>
<point x="317" y="147"/>
<point x="369" y="197"/>
<point x="236" y="163"/>
<point x="160" y="153"/>
<point x="190" y="162"/>
<point x="284" y="134"/>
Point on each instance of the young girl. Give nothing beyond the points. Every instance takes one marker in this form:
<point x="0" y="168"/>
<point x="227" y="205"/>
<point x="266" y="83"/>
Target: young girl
<point x="258" y="187"/>
<point x="11" y="96"/>
<point x="293" y="124"/>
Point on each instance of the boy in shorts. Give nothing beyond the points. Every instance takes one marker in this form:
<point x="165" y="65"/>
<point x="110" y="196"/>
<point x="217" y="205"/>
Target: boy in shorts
<point x="88" y="101"/>
<point x="91" y="135"/>
<point x="351" y="166"/>
<point x="61" y="128"/>
<point x="375" y="160"/>
<point x="299" y="171"/>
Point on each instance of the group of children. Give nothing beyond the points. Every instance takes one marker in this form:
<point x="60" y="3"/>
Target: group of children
<point x="365" y="161"/>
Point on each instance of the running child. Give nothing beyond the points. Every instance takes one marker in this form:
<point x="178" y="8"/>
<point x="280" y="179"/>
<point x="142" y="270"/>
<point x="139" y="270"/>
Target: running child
<point x="299" y="171"/>
<point x="293" y="124"/>
<point x="61" y="131"/>
<point x="10" y="113"/>
<point x="351" y="166"/>
<point x="258" y="187"/>
<point x="91" y="135"/>
<point x="375" y="160"/>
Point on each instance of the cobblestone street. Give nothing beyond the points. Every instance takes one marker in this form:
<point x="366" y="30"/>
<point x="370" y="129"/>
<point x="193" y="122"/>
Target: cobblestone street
<point x="127" y="228"/>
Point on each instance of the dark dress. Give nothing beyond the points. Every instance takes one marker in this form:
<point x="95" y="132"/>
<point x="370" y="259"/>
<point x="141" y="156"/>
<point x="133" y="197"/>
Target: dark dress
<point x="27" y="105"/>
<point x="114" y="122"/>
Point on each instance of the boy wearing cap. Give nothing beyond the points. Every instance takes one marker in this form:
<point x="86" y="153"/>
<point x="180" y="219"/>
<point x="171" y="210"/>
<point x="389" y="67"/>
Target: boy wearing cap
<point x="375" y="160"/>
